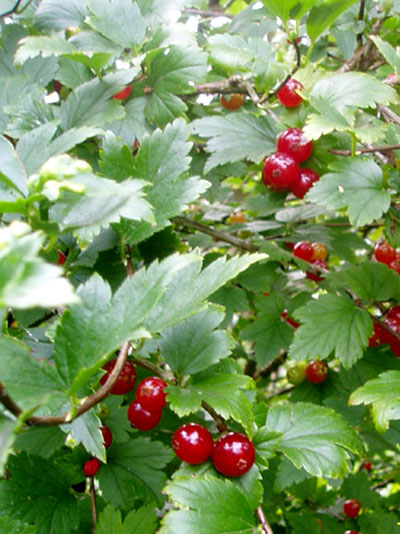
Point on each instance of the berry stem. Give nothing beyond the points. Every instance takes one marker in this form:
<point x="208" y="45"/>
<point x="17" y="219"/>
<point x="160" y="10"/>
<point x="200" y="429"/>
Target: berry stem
<point x="145" y="364"/>
<point x="92" y="493"/>
<point x="221" y="425"/>
<point x="264" y="522"/>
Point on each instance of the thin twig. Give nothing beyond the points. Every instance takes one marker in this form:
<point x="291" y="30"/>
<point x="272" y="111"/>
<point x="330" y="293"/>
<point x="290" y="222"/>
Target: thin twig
<point x="92" y="493"/>
<point x="360" y="18"/>
<point x="282" y="391"/>
<point x="271" y="367"/>
<point x="206" y="13"/>
<point x="388" y="114"/>
<point x="221" y="425"/>
<point x="145" y="364"/>
<point x="384" y="148"/>
<point x="129" y="266"/>
<point x="234" y="84"/>
<point x="89" y="402"/>
<point x="8" y="403"/>
<point x="216" y="234"/>
<point x="266" y="527"/>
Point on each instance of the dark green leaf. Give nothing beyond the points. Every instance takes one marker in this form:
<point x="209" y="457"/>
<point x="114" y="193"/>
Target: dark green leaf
<point x="323" y="14"/>
<point x="143" y="520"/>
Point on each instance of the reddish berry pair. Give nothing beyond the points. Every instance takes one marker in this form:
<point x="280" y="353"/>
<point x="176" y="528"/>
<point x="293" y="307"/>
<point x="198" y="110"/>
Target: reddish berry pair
<point x="381" y="335"/>
<point x="232" y="454"/>
<point x="315" y="253"/>
<point x="144" y="413"/>
<point x="232" y="103"/>
<point x="351" y="508"/>
<point x="385" y="253"/>
<point x="91" y="467"/>
<point x="316" y="371"/>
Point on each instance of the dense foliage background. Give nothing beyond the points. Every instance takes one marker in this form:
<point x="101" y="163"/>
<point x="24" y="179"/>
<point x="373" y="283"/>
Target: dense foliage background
<point x="139" y="227"/>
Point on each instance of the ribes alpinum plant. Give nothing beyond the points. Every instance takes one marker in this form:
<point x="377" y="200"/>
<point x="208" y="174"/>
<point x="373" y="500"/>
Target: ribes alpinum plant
<point x="200" y="266"/>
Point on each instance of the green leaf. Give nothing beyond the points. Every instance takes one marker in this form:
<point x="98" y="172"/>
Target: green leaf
<point x="223" y="392"/>
<point x="371" y="281"/>
<point x="344" y="330"/>
<point x="187" y="294"/>
<point x="314" y="438"/>
<point x="106" y="19"/>
<point x="356" y="184"/>
<point x="29" y="382"/>
<point x="85" y="429"/>
<point x="143" y="520"/>
<point x="289" y="9"/>
<point x="207" y="505"/>
<point x="229" y="53"/>
<point x="195" y="344"/>
<point x="288" y="475"/>
<point x="30" y="47"/>
<point x="8" y="526"/>
<point x="383" y="393"/>
<point x="134" y="471"/>
<point x="116" y="159"/>
<point x="337" y="99"/>
<point x="7" y="438"/>
<point x="235" y="137"/>
<point x="11" y="171"/>
<point x="41" y="441"/>
<point x="99" y="325"/>
<point x="25" y="279"/>
<point x="388" y="52"/>
<point x="60" y="15"/>
<point x="266" y="444"/>
<point x="163" y="161"/>
<point x="323" y="14"/>
<point x="134" y="125"/>
<point x="38" y="491"/>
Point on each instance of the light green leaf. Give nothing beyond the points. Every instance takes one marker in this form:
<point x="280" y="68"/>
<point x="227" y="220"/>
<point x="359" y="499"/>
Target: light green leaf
<point x="134" y="125"/>
<point x="323" y="14"/>
<point x="30" y="47"/>
<point x="7" y="438"/>
<point x="388" y="52"/>
<point x="163" y="161"/>
<point x="59" y="15"/>
<point x="289" y="9"/>
<point x="235" y="137"/>
<point x="314" y="438"/>
<point x="106" y="19"/>
<point x="207" y="505"/>
<point x="9" y="526"/>
<point x="11" y="171"/>
<point x="195" y="344"/>
<point x="134" y="470"/>
<point x="344" y="330"/>
<point x="85" y="429"/>
<point x="355" y="183"/>
<point x="383" y="393"/>
<point x="223" y="392"/>
<point x="229" y="53"/>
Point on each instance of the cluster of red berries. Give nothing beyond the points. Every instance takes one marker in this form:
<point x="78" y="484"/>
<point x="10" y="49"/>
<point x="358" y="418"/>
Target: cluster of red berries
<point x="381" y="335"/>
<point x="386" y="254"/>
<point x="315" y="253"/>
<point x="315" y="372"/>
<point x="232" y="454"/>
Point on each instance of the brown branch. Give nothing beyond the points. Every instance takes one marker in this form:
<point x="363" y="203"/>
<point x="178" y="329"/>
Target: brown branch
<point x="271" y="367"/>
<point x="206" y="13"/>
<point x="216" y="234"/>
<point x="385" y="148"/>
<point x="282" y="391"/>
<point x="388" y="114"/>
<point x="234" y="84"/>
<point x="360" y="18"/>
<point x="266" y="527"/>
<point x="89" y="402"/>
<point x="364" y="55"/>
<point x="221" y="425"/>
<point x="129" y="267"/>
<point x="382" y="484"/>
<point x="92" y="493"/>
<point x="145" y="364"/>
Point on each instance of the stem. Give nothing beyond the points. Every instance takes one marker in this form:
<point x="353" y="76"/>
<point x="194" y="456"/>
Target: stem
<point x="266" y="527"/>
<point x="221" y="425"/>
<point x="361" y="17"/>
<point x="129" y="267"/>
<point x="92" y="493"/>
<point x="206" y="13"/>
<point x="353" y="144"/>
<point x="384" y="148"/>
<point x="145" y="364"/>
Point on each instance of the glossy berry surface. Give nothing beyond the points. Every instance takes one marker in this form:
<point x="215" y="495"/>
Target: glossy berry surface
<point x="367" y="465"/>
<point x="107" y="436"/>
<point x="304" y="183"/>
<point x="351" y="508"/>
<point x="293" y="142"/>
<point x="125" y="381"/>
<point x="296" y="374"/>
<point x="237" y="217"/>
<point x="320" y="252"/>
<point x="150" y="393"/>
<point x="377" y="337"/>
<point x="61" y="258"/>
<point x="314" y="276"/>
<point x="91" y="467"/>
<point x="192" y="443"/>
<point x="233" y="454"/>
<point x="384" y="253"/>
<point x="143" y="419"/>
<point x="279" y="171"/>
<point x="123" y="94"/>
<point x="232" y="103"/>
<point x="316" y="371"/>
<point x="288" y="96"/>
<point x="350" y="532"/>
<point x="303" y="250"/>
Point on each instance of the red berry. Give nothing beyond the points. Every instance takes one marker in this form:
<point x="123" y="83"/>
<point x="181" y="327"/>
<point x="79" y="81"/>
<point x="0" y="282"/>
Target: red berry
<point x="123" y="94"/>
<point x="192" y="443"/>
<point x="303" y="250"/>
<point x="125" y="381"/>
<point x="143" y="419"/>
<point x="293" y="142"/>
<point x="351" y="508"/>
<point x="393" y="315"/>
<point x="384" y="253"/>
<point x="350" y="532"/>
<point x="233" y="103"/>
<point x="62" y="258"/>
<point x="107" y="436"/>
<point x="233" y="454"/>
<point x="91" y="467"/>
<point x="57" y="86"/>
<point x="320" y="251"/>
<point x="300" y="187"/>
<point x="367" y="466"/>
<point x="288" y="96"/>
<point x="316" y="371"/>
<point x="279" y="171"/>
<point x="150" y="393"/>
<point x="377" y="337"/>
<point x="316" y="277"/>
<point x="289" y="245"/>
